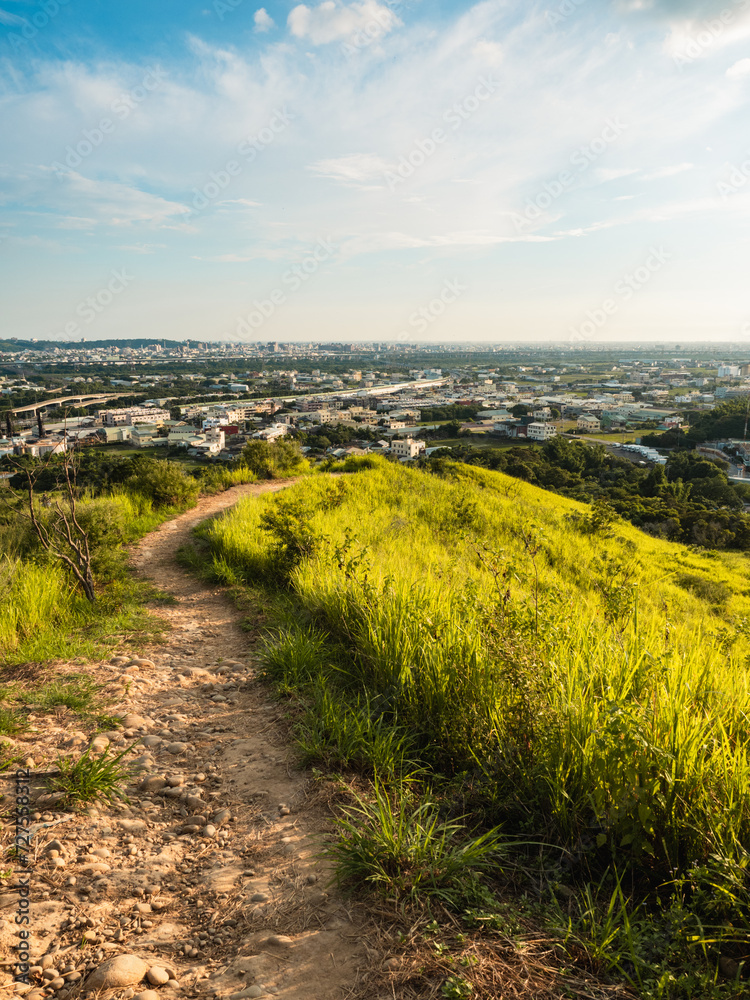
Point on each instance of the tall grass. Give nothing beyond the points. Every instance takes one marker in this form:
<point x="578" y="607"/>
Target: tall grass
<point x="43" y="616"/>
<point x="567" y="674"/>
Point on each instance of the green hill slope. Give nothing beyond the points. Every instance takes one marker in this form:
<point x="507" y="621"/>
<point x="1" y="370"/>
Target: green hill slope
<point x="574" y="680"/>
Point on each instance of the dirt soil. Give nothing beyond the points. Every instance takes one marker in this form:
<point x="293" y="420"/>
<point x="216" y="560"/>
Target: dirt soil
<point x="211" y="873"/>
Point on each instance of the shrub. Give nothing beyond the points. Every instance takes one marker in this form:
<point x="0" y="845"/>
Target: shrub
<point x="274" y="460"/>
<point x="165" y="483"/>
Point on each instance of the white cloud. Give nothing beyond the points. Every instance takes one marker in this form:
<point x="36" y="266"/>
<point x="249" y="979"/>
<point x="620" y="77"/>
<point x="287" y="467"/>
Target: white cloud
<point x="245" y="202"/>
<point x="355" y="170"/>
<point x="143" y="248"/>
<point x="488" y="53"/>
<point x="332" y="21"/>
<point x="678" y="168"/>
<point x="606" y="174"/>
<point x="741" y="68"/>
<point x="263" y="20"/>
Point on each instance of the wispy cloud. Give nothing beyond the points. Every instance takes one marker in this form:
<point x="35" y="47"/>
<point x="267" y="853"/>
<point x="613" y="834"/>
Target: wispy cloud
<point x="333" y="21"/>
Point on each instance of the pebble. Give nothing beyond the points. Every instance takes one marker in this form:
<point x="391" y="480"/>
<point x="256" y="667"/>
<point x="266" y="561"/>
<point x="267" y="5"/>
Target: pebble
<point x="157" y="976"/>
<point x="209" y="831"/>
<point x="221" y="817"/>
<point x="147" y="995"/>
<point x="259" y="897"/>
<point x="279" y="941"/>
<point x="123" y="970"/>
<point x="151" y="741"/>
<point x="132" y="825"/>
<point x="176" y="748"/>
<point x="53" y="845"/>
<point x="132" y="721"/>
<point x="153" y="783"/>
<point x="194" y="802"/>
<point x="97" y="869"/>
<point x="175" y="780"/>
<point x="196" y="820"/>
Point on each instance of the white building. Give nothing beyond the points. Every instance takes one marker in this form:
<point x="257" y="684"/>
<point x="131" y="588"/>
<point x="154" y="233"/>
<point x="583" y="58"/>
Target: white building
<point x="540" y="432"/>
<point x="133" y="415"/>
<point x="272" y="433"/>
<point x="407" y="448"/>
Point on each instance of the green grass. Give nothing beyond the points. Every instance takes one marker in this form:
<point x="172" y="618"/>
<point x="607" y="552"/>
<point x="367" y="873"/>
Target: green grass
<point x="91" y="778"/>
<point x="77" y="692"/>
<point x="408" y="853"/>
<point x="12" y="722"/>
<point x="583" y="684"/>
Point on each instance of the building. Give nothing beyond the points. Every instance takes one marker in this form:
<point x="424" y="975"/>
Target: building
<point x="323" y="417"/>
<point x="540" y="432"/>
<point x="133" y="415"/>
<point x="407" y="448"/>
<point x="146" y="436"/>
<point x="588" y="422"/>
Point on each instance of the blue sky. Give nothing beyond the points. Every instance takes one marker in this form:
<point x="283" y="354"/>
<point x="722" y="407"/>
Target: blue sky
<point x="570" y="171"/>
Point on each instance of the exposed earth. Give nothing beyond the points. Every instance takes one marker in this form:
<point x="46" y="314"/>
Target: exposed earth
<point x="211" y="874"/>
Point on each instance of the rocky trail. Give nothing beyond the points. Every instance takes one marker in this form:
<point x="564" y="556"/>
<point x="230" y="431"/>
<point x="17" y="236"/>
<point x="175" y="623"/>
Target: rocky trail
<point x="208" y="882"/>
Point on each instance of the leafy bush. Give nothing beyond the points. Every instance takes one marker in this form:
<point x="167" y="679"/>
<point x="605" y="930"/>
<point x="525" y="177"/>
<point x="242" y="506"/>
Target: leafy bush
<point x="274" y="460"/>
<point x="165" y="483"/>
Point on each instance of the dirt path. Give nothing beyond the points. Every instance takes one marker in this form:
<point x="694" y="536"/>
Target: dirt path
<point x="210" y="872"/>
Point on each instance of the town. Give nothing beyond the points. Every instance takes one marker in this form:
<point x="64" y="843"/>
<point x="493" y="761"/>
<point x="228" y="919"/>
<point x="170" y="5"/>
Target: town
<point x="203" y="402"/>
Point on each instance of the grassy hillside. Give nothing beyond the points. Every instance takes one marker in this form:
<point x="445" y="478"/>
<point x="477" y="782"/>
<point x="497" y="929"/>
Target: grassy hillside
<point x="512" y="656"/>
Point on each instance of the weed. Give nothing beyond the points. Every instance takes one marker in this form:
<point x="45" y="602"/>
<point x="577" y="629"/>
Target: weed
<point x="456" y="988"/>
<point x="407" y="853"/>
<point x="12" y="722"/>
<point x="77" y="694"/>
<point x="91" y="778"/>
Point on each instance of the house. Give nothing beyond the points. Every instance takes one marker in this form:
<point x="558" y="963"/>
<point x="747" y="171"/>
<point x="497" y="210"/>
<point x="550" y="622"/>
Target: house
<point x="407" y="448"/>
<point x="540" y="432"/>
<point x="588" y="422"/>
<point x="323" y="417"/>
<point x="145" y="436"/>
<point x="271" y="433"/>
<point x="542" y="413"/>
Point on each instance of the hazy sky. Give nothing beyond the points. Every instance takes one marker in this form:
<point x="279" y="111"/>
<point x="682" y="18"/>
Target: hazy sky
<point x="375" y="170"/>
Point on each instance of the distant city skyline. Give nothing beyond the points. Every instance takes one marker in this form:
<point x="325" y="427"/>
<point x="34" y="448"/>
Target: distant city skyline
<point x="395" y="171"/>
